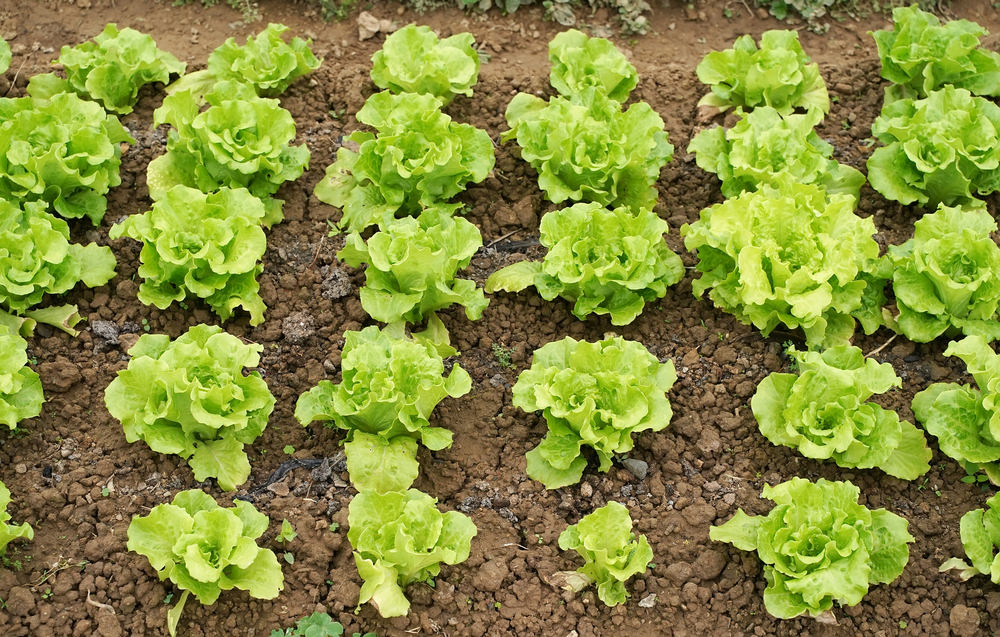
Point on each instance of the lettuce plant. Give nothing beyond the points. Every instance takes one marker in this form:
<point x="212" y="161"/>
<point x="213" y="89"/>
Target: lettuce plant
<point x="64" y="151"/>
<point x="779" y="75"/>
<point x="412" y="263"/>
<point x="587" y="149"/>
<point x="190" y="397"/>
<point x="819" y="546"/>
<point x="580" y="62"/>
<point x="37" y="259"/>
<point x="980" y="531"/>
<point x="594" y="394"/>
<point x="941" y="149"/>
<point x="413" y="60"/>
<point x="4" y="56"/>
<point x="401" y="538"/>
<point x="110" y="70"/>
<point x="10" y="532"/>
<point x="602" y="261"/>
<point x="205" y="549"/>
<point x="921" y="55"/>
<point x="822" y="412"/>
<point x="202" y="246"/>
<point x="419" y="158"/>
<point x="763" y="144"/>
<point x="20" y="388"/>
<point x="605" y="541"/>
<point x="791" y="254"/>
<point x="966" y="420"/>
<point x="947" y="277"/>
<point x="240" y="141"/>
<point x="315" y="625"/>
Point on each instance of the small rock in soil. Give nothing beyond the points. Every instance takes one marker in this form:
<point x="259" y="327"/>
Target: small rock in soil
<point x="638" y="468"/>
<point x="679" y="572"/>
<point x="964" y="621"/>
<point x="648" y="601"/>
<point x="709" y="564"/>
<point x="106" y="333"/>
<point x="337" y="285"/>
<point x="60" y="375"/>
<point x="298" y="327"/>
<point x="490" y="577"/>
<point x="20" y="602"/>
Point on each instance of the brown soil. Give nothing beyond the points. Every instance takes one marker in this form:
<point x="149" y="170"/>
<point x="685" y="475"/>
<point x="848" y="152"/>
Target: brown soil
<point x="708" y="463"/>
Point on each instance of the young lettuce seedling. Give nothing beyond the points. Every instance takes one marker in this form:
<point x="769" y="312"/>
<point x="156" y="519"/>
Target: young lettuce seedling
<point x="10" y="532"/>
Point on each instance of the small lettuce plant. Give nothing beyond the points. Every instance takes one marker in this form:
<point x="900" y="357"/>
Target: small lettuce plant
<point x="980" y="532"/>
<point x="205" y="549"/>
<point x="793" y="255"/>
<point x="9" y="532"/>
<point x="823" y="412"/>
<point x="604" y="539"/>
<point x="413" y="60"/>
<point x="778" y="74"/>
<point x="315" y="625"/>
<point x="20" y="388"/>
<point x="819" y="546"/>
<point x="110" y="70"/>
<point x="401" y="538"/>
<point x="602" y="261"/>
<point x="593" y="394"/>
<point x="580" y="62"/>
<point x="763" y="144"/>
<point x="63" y="151"/>
<point x="201" y="246"/>
<point x="190" y="397"/>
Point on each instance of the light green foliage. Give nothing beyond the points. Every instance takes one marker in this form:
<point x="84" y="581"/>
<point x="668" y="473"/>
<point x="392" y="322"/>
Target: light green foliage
<point x="947" y="277"/>
<point x="819" y="546"/>
<point x="241" y="141"/>
<point x="980" y="531"/>
<point x="402" y="538"/>
<point x="189" y="397"/>
<point x="604" y="539"/>
<point x="763" y="144"/>
<point x="110" y="70"/>
<point x="413" y="60"/>
<point x="4" y="56"/>
<point x="205" y="246"/>
<point x="37" y="259"/>
<point x="791" y="254"/>
<point x="287" y="533"/>
<point x="315" y="625"/>
<point x="412" y="263"/>
<point x="811" y="10"/>
<point x="920" y="55"/>
<point x="63" y="151"/>
<point x="779" y="75"/>
<point x="579" y="62"/>
<point x="587" y="149"/>
<point x="942" y="149"/>
<point x="20" y="388"/>
<point x="10" y="532"/>
<point x="594" y="394"/>
<point x="822" y="412"/>
<point x="605" y="262"/>
<point x="419" y="158"/>
<point x="206" y="549"/>
<point x="966" y="420"/>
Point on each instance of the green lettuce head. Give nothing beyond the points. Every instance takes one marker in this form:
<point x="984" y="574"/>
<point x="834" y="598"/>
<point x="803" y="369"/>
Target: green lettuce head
<point x="20" y="388"/>
<point x="64" y="151"/>
<point x="947" y="277"/>
<point x="980" y="530"/>
<point x="413" y="60"/>
<point x="819" y="546"/>
<point x="580" y="62"/>
<point x="10" y="532"/>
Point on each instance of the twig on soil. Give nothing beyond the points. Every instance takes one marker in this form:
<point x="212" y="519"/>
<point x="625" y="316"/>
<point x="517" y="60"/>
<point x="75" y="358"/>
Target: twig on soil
<point x="283" y="470"/>
<point x="496" y="241"/>
<point x="318" y="248"/>
<point x="884" y="345"/>
<point x="14" y="81"/>
<point x="61" y="566"/>
<point x="517" y="545"/>
<point x="106" y="607"/>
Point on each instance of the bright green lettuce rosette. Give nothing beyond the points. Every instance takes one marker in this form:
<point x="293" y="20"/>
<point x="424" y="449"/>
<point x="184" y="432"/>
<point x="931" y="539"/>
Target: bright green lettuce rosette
<point x="240" y="141"/>
<point x="202" y="246"/>
<point x="401" y="538"/>
<point x="819" y="546"/>
<point x="419" y="158"/>
<point x="980" y="532"/>
<point x="587" y="149"/>
<point x="921" y="55"/>
<point x="10" y="532"/>
<point x="790" y="254"/>
<point x="412" y="263"/>
<point x="947" y="277"/>
<point x="110" y="70"/>
<point x="580" y="62"/>
<point x="64" y="151"/>
<point x="823" y="412"/>
<point x="942" y="149"/>
<point x="413" y="60"/>
<point x="20" y="387"/>
<point x="779" y="75"/>
<point x="763" y="144"/>
<point x="603" y="261"/>
<point x="190" y="397"/>
<point x="593" y="394"/>
<point x="4" y="56"/>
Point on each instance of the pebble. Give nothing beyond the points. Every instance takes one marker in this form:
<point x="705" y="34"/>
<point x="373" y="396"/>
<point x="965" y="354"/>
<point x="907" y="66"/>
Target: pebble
<point x="21" y="468"/>
<point x="491" y="575"/>
<point x="964" y="621"/>
<point x="638" y="468"/>
<point x="586" y="490"/>
<point x="679" y="572"/>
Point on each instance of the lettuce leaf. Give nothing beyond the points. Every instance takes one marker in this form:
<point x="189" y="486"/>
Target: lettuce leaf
<point x="20" y="387"/>
<point x="413" y="60"/>
<point x="10" y="532"/>
<point x="580" y="62"/>
<point x="4" y="56"/>
<point x="980" y="531"/>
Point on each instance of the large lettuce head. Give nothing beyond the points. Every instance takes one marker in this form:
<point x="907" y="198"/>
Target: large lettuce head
<point x="779" y="75"/>
<point x="413" y="60"/>
<point x="594" y="394"/>
<point x="947" y="277"/>
<point x="587" y="149"/>
<point x="792" y="255"/>
<point x="580" y="62"/>
<point x="20" y="387"/>
<point x="763" y="144"/>
<point x="63" y="151"/>
<point x="819" y="546"/>
<point x="10" y="532"/>
<point x="942" y="149"/>
<point x="265" y="62"/>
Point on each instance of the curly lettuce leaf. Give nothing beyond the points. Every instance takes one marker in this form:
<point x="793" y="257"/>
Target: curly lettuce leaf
<point x="9" y="532"/>
<point x="20" y="387"/>
<point x="980" y="532"/>
<point x="580" y="62"/>
<point x="413" y="60"/>
<point x="4" y="56"/>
